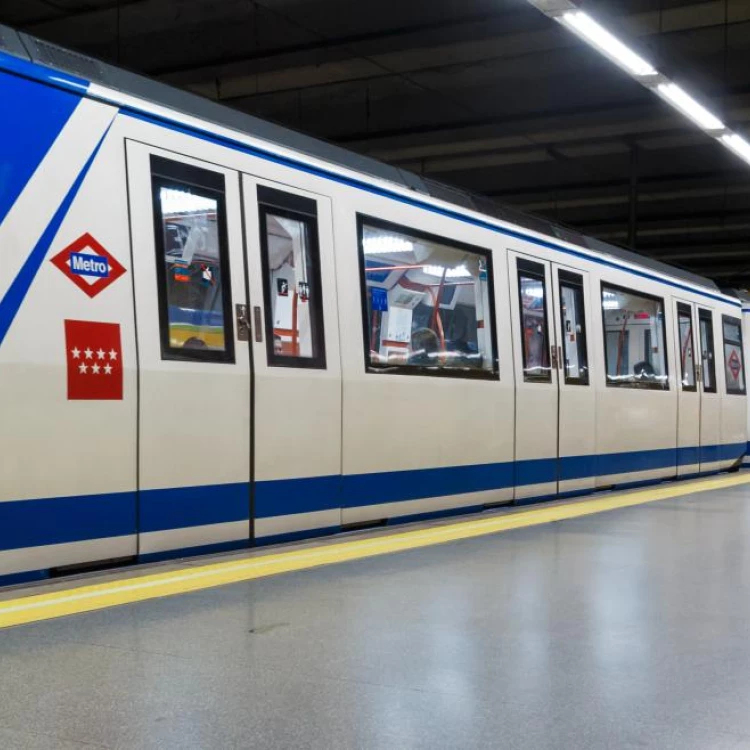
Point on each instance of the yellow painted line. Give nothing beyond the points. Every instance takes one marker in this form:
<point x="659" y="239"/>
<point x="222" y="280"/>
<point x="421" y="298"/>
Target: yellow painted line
<point x="153" y="586"/>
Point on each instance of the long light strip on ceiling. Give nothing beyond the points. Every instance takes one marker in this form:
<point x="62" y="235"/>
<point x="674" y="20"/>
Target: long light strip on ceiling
<point x="566" y="13"/>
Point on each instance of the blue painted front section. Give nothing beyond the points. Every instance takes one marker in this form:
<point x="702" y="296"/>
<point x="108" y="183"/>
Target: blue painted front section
<point x="28" y="131"/>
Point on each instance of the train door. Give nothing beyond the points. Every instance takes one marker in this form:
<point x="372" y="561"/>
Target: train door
<point x="296" y="361"/>
<point x="710" y="420"/>
<point x="537" y="395"/>
<point x="689" y="392"/>
<point x="577" y="401"/>
<point x="194" y="366"/>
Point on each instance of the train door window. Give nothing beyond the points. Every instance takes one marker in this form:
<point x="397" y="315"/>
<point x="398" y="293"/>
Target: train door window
<point x="634" y="329"/>
<point x="534" y="333"/>
<point x="427" y="303"/>
<point x="687" y="356"/>
<point x="708" y="365"/>
<point x="734" y="360"/>
<point x="573" y="327"/>
<point x="291" y="279"/>
<point x="192" y="262"/>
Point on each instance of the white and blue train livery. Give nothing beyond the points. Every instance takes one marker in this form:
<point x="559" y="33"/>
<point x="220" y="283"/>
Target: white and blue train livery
<point x="215" y="332"/>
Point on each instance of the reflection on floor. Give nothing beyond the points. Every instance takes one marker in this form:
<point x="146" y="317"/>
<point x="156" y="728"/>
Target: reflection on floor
<point x="627" y="629"/>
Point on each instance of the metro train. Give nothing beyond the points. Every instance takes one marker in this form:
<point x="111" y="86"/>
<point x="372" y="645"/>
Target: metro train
<point x="216" y="332"/>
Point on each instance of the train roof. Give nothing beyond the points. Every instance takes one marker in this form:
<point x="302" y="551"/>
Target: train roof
<point x="109" y="76"/>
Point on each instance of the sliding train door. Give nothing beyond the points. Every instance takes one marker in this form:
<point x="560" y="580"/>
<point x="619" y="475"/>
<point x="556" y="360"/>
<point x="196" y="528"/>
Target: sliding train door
<point x="555" y="402"/>
<point x="296" y="361"/>
<point x="577" y="404"/>
<point x="194" y="365"/>
<point x="535" y="362"/>
<point x="710" y="421"/>
<point x="688" y="391"/>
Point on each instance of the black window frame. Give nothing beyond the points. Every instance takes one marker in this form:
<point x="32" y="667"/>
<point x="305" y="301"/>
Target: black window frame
<point x="707" y="315"/>
<point x="644" y="385"/>
<point x="465" y="373"/>
<point x="733" y="321"/>
<point x="534" y="270"/>
<point x="297" y="208"/>
<point x="570" y="279"/>
<point x="171" y="173"/>
<point x="684" y="309"/>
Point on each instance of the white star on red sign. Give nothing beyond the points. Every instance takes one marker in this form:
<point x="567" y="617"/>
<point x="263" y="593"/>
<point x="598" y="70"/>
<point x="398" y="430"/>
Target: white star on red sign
<point x="101" y="353"/>
<point x="83" y="368"/>
<point x="95" y="369"/>
<point x="107" y="369"/>
<point x="88" y="353"/>
<point x="75" y="352"/>
<point x="112" y="354"/>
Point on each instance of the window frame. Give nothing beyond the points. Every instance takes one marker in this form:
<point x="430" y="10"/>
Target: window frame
<point x="705" y="314"/>
<point x="685" y="309"/>
<point x="643" y="385"/>
<point x="535" y="270"/>
<point x="172" y="173"/>
<point x="738" y="322"/>
<point x="440" y="372"/>
<point x="570" y="279"/>
<point x="297" y="208"/>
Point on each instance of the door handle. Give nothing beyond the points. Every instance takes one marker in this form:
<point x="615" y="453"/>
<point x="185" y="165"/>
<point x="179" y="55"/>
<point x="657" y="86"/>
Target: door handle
<point x="243" y="323"/>
<point x="258" y="322"/>
<point x="553" y="357"/>
<point x="560" y="363"/>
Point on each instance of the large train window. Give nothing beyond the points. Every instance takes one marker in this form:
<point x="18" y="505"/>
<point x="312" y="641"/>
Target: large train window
<point x="573" y="327"/>
<point x="734" y="360"/>
<point x="291" y="279"/>
<point x="427" y="303"/>
<point x="635" y="343"/>
<point x="687" y="357"/>
<point x="708" y="364"/>
<point x="192" y="262"/>
<point x="534" y="333"/>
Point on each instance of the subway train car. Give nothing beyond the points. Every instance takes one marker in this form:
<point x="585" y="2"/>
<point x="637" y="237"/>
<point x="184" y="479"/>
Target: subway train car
<point x="215" y="332"/>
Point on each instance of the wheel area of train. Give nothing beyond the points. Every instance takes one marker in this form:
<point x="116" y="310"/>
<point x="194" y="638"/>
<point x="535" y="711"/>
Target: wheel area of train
<point x="622" y="629"/>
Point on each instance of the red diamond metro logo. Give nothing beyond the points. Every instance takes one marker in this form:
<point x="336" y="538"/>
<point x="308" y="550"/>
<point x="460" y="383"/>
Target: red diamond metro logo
<point x="88" y="265"/>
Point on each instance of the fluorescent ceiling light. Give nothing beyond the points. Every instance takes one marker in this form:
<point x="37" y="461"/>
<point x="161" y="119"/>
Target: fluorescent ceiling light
<point x="689" y="107"/>
<point x="459" y="272"/>
<point x="384" y="244"/>
<point x="608" y="44"/>
<point x="181" y="202"/>
<point x="737" y="144"/>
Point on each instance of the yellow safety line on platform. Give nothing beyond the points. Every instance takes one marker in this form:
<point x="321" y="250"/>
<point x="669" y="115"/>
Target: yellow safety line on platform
<point x="87" y="598"/>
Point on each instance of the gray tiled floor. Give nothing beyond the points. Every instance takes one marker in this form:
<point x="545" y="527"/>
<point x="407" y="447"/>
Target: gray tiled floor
<point x="629" y="629"/>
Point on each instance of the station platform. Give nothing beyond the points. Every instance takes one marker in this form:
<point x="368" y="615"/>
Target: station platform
<point x="616" y="621"/>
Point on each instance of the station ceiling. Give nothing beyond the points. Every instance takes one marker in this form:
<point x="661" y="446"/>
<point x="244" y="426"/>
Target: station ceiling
<point x="489" y="95"/>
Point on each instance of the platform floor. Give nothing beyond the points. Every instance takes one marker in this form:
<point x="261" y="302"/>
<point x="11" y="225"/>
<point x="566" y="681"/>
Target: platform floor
<point x="626" y="629"/>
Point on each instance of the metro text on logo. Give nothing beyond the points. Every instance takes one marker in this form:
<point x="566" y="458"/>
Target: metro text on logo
<point x="88" y="265"/>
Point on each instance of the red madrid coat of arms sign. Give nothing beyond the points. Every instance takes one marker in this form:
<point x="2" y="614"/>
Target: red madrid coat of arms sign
<point x="94" y="358"/>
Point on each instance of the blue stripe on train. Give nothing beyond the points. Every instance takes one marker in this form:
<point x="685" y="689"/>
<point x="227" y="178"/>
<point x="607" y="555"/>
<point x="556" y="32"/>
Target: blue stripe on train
<point x="32" y="523"/>
<point x="11" y="302"/>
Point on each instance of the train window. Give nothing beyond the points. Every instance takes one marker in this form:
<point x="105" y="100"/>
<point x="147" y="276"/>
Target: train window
<point x="708" y="365"/>
<point x="734" y="360"/>
<point x="635" y="351"/>
<point x="534" y="333"/>
<point x="573" y="327"/>
<point x="687" y="357"/>
<point x="291" y="279"/>
<point x="426" y="302"/>
<point x="192" y="262"/>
